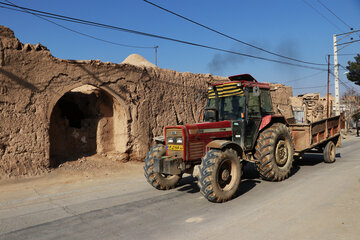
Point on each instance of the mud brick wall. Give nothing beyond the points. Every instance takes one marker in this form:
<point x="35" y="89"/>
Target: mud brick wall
<point x="54" y="110"/>
<point x="127" y="108"/>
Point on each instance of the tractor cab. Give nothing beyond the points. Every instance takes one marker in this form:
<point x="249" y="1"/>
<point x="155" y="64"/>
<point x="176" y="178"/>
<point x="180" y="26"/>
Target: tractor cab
<point x="242" y="98"/>
<point x="244" y="102"/>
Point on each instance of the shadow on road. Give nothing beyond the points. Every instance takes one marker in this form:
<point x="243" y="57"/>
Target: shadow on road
<point x="249" y="180"/>
<point x="310" y="159"/>
<point x="250" y="177"/>
<point x="189" y="185"/>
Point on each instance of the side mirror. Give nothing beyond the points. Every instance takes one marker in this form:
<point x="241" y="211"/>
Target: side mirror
<point x="256" y="91"/>
<point x="211" y="114"/>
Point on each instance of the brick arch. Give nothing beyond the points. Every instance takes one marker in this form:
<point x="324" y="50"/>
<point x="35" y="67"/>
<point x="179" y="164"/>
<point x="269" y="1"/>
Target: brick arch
<point x="86" y="121"/>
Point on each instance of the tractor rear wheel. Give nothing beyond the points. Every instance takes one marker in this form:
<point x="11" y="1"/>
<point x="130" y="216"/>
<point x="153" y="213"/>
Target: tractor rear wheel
<point x="158" y="180"/>
<point x="274" y="152"/>
<point x="219" y="175"/>
<point x="329" y="152"/>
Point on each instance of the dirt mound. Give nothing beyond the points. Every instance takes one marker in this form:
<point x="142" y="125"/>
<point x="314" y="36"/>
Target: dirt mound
<point x="137" y="60"/>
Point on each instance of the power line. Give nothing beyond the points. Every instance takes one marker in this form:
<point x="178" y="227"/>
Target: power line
<point x="345" y="54"/>
<point x="335" y="15"/>
<point x="322" y="86"/>
<point x="343" y="67"/>
<point x="83" y="34"/>
<point x="101" y="25"/>
<point x="294" y="80"/>
<point x="345" y="85"/>
<point x="322" y="15"/>
<point x="232" y="38"/>
<point x="342" y="82"/>
<point x="75" y="31"/>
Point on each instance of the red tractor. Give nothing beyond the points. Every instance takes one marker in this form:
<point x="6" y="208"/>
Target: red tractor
<point x="239" y="125"/>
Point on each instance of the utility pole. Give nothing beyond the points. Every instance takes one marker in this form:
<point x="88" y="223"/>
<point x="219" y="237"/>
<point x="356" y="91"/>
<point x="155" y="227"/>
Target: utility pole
<point x="328" y="84"/>
<point x="336" y="64"/>
<point x="336" y="73"/>
<point x="156" y="47"/>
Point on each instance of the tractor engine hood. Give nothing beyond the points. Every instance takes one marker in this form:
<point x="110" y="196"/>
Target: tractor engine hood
<point x="195" y="137"/>
<point x="209" y="130"/>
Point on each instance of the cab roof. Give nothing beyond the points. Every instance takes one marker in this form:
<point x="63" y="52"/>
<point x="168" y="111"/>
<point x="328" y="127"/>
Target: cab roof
<point x="247" y="81"/>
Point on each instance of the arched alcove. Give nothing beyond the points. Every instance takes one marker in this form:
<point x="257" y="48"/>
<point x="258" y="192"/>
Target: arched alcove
<point x="85" y="121"/>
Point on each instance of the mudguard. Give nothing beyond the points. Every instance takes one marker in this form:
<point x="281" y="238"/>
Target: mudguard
<point x="225" y="144"/>
<point x="271" y="119"/>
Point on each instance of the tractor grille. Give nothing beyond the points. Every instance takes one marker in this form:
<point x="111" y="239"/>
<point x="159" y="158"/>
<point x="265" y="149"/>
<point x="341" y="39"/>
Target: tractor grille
<point x="196" y="150"/>
<point x="175" y="134"/>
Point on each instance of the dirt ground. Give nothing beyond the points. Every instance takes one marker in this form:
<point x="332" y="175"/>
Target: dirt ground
<point x="70" y="175"/>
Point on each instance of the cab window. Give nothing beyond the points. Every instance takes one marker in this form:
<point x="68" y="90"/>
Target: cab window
<point x="253" y="105"/>
<point x="265" y="102"/>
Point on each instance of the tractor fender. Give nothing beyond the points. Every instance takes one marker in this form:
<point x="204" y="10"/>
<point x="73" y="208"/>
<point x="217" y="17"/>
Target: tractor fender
<point x="225" y="144"/>
<point x="159" y="139"/>
<point x="269" y="119"/>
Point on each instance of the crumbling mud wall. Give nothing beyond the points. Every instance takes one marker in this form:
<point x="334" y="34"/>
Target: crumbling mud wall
<point x="45" y="117"/>
<point x="54" y="110"/>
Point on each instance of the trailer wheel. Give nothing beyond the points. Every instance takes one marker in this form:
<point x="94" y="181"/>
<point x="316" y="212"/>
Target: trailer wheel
<point x="158" y="180"/>
<point x="274" y="153"/>
<point x="219" y="175"/>
<point x="329" y="152"/>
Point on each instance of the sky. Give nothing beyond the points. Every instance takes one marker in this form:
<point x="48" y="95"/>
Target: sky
<point x="299" y="29"/>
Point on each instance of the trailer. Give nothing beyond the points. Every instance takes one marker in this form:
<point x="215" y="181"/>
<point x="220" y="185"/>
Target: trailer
<point x="320" y="136"/>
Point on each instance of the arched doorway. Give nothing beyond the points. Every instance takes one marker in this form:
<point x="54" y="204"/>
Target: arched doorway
<point x="86" y="121"/>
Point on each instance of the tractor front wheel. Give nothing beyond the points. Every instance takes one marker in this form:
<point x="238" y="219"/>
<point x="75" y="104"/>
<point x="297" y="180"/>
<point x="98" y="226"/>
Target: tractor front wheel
<point x="274" y="152"/>
<point x="158" y="180"/>
<point x="219" y="175"/>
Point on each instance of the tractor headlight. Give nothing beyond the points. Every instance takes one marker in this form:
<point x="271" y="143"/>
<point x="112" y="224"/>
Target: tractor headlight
<point x="170" y="140"/>
<point x="179" y="140"/>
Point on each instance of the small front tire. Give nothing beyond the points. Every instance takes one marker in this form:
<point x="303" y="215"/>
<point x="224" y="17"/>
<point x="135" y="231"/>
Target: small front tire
<point x="158" y="180"/>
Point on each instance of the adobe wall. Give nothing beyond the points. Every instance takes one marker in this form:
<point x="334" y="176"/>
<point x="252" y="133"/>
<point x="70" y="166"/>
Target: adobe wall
<point x="45" y="119"/>
<point x="32" y="81"/>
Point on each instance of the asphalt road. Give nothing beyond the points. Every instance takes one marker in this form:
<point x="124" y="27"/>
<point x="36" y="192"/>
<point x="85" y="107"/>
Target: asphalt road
<point x="319" y="201"/>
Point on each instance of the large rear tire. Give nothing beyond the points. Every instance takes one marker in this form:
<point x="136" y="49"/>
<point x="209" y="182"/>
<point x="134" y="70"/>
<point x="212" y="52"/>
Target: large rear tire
<point x="158" y="180"/>
<point x="274" y="153"/>
<point x="219" y="175"/>
<point x="330" y="152"/>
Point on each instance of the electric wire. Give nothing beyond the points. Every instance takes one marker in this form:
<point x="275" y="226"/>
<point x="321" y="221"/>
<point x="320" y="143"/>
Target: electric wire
<point x="335" y="15"/>
<point x="232" y="38"/>
<point x="345" y="54"/>
<point x="297" y="79"/>
<point x="308" y="4"/>
<point x="343" y="67"/>
<point x="81" y="33"/>
<point x="101" y="25"/>
<point x="349" y="80"/>
<point x="77" y="32"/>
<point x="322" y="86"/>
<point x="341" y="81"/>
